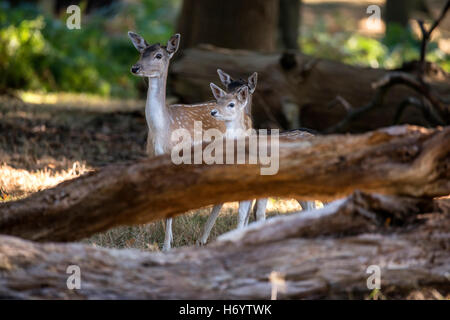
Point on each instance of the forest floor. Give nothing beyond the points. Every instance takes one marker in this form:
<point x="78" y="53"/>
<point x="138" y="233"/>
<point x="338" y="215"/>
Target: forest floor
<point x="48" y="139"/>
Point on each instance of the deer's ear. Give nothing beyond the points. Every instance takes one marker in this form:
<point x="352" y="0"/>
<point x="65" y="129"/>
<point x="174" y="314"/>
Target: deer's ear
<point x="139" y="43"/>
<point x="172" y="44"/>
<point x="242" y="94"/>
<point x="224" y="77"/>
<point x="252" y="80"/>
<point x="217" y="92"/>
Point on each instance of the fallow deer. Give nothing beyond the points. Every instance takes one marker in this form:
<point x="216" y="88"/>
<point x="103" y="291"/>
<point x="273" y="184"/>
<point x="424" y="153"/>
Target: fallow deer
<point x="162" y="120"/>
<point x="232" y="109"/>
<point x="232" y="86"/>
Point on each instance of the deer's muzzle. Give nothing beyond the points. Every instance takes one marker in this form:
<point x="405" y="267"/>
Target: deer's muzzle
<point x="135" y="69"/>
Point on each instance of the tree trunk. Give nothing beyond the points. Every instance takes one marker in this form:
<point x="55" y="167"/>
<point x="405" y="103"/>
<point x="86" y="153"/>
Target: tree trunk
<point x="243" y="24"/>
<point x="295" y="84"/>
<point x="289" y="23"/>
<point x="398" y="11"/>
<point x="318" y="254"/>
<point x="398" y="160"/>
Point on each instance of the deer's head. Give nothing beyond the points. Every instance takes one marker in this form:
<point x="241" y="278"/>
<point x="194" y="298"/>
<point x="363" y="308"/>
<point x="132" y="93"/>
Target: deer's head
<point x="230" y="106"/>
<point x="232" y="85"/>
<point x="154" y="59"/>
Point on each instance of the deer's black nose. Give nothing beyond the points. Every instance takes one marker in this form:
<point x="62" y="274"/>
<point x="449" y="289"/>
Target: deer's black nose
<point x="213" y="112"/>
<point x="135" y="69"/>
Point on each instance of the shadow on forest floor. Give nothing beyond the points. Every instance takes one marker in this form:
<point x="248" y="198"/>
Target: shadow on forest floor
<point x="48" y="142"/>
<point x="35" y="136"/>
<point x="49" y="139"/>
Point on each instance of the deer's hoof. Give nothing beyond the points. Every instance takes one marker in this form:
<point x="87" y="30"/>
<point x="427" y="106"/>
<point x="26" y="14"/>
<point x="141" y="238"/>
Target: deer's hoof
<point x="200" y="243"/>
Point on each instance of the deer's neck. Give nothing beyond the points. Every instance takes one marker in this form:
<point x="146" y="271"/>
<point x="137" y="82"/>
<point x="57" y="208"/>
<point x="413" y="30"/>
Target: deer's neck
<point x="156" y="114"/>
<point x="236" y="128"/>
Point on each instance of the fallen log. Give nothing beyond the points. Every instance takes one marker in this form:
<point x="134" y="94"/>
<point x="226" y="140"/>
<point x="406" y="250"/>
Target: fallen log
<point x="318" y="254"/>
<point x="403" y="160"/>
<point x="298" y="90"/>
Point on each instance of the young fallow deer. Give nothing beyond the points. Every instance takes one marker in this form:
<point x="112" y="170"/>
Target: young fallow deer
<point x="232" y="87"/>
<point x="162" y="120"/>
<point x="232" y="109"/>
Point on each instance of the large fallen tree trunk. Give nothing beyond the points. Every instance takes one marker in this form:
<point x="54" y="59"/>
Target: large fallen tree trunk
<point x="398" y="160"/>
<point x="317" y="254"/>
<point x="297" y="90"/>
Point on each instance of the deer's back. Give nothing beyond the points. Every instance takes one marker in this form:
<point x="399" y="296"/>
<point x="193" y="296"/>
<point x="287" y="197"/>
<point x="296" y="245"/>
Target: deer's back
<point x="184" y="117"/>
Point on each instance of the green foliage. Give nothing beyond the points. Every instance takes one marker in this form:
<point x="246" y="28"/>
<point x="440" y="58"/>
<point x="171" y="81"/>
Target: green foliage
<point x="154" y="19"/>
<point x="21" y="44"/>
<point x="38" y="52"/>
<point x="398" y="46"/>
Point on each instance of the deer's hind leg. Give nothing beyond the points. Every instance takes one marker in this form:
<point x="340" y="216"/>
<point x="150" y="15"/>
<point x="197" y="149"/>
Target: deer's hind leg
<point x="260" y="209"/>
<point x="168" y="237"/>
<point x="210" y="223"/>
<point x="244" y="207"/>
<point x="307" y="205"/>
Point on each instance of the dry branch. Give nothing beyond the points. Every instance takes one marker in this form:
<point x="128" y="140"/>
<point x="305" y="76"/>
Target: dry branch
<point x="401" y="160"/>
<point x="434" y="110"/>
<point x="320" y="254"/>
<point x="434" y="114"/>
<point x="426" y="35"/>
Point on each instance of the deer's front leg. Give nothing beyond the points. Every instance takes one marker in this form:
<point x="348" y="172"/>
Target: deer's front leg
<point x="260" y="208"/>
<point x="247" y="218"/>
<point x="168" y="236"/>
<point x="244" y="208"/>
<point x="307" y="205"/>
<point x="210" y="223"/>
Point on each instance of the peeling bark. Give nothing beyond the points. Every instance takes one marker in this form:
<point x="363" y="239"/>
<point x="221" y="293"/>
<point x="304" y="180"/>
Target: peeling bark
<point x="405" y="160"/>
<point x="229" y="24"/>
<point x="319" y="254"/>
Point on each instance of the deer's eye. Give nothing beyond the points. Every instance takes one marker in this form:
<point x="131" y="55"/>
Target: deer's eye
<point x="158" y="56"/>
<point x="231" y="105"/>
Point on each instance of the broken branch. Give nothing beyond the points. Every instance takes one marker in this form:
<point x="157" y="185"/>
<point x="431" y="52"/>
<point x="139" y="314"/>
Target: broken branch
<point x="240" y="265"/>
<point x="402" y="160"/>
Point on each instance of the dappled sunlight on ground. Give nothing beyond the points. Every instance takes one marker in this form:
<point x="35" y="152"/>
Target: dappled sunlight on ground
<point x="18" y="183"/>
<point x="81" y="101"/>
<point x="50" y="138"/>
<point x="35" y="135"/>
